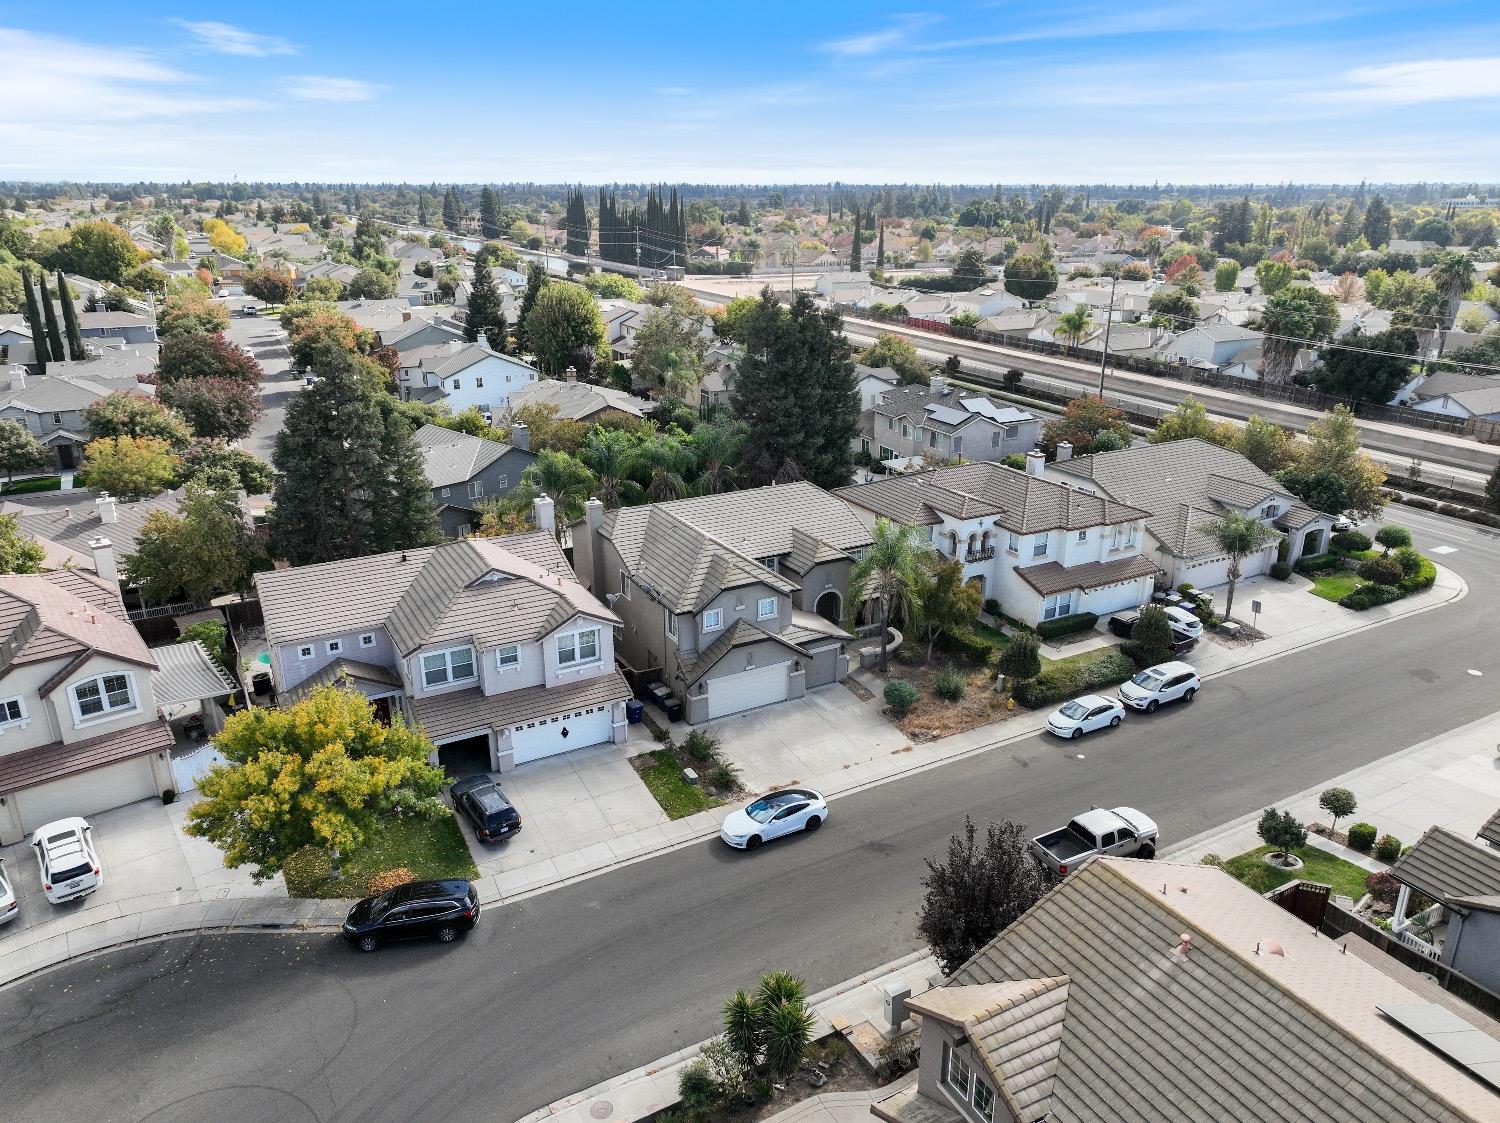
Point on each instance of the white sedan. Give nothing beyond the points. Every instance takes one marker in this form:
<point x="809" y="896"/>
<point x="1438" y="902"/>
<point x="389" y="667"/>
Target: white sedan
<point x="774" y="815"/>
<point x="1084" y="715"/>
<point x="8" y="906"/>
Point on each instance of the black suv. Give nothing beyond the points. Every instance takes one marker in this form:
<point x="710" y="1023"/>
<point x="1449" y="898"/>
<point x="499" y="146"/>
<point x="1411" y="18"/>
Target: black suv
<point x="1123" y="623"/>
<point x="445" y="909"/>
<point x="483" y="803"/>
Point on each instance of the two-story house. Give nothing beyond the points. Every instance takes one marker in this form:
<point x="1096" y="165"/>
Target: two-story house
<point x="465" y="470"/>
<point x="462" y="376"/>
<point x="734" y="601"/>
<point x="580" y="401"/>
<point x="79" y="728"/>
<point x="1184" y="485"/>
<point x="488" y="644"/>
<point x="942" y="421"/>
<point x="51" y="406"/>
<point x="1039" y="547"/>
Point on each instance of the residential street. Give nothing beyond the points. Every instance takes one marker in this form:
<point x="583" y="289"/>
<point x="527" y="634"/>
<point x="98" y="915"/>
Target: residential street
<point x="559" y="991"/>
<point x="264" y="337"/>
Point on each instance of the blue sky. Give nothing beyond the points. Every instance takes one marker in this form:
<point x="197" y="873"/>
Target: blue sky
<point x="1128" y="91"/>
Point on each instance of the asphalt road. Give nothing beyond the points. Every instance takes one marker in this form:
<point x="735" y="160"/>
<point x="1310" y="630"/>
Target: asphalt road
<point x="555" y="993"/>
<point x="264" y="337"/>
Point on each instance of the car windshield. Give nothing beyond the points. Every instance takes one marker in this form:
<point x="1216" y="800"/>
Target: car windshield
<point x="1147" y="680"/>
<point x="762" y="810"/>
<point x="1073" y="710"/>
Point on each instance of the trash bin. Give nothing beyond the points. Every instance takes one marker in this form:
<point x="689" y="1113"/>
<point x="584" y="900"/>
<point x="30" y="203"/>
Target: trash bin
<point x="673" y="706"/>
<point x="634" y="708"/>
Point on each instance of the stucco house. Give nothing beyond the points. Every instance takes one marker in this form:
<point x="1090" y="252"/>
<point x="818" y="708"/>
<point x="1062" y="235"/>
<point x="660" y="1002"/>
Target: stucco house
<point x="1041" y="548"/>
<point x="580" y="401"/>
<point x="487" y="644"/>
<point x="1461" y="926"/>
<point x="463" y="470"/>
<point x="461" y="375"/>
<point x="51" y="406"/>
<point x="1184" y="484"/>
<point x="1209" y="345"/>
<point x="943" y="421"/>
<point x="733" y="601"/>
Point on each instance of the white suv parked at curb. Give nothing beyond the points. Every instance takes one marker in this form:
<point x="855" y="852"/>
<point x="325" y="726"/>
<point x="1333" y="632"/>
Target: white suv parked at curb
<point x="1165" y="682"/>
<point x="66" y="859"/>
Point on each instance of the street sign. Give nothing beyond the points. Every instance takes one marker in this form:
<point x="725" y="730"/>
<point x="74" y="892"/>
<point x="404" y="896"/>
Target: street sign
<point x="1255" y="607"/>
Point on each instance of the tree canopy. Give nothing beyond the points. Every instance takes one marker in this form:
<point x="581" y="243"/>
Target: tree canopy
<point x="203" y="549"/>
<point x="563" y="321"/>
<point x="129" y="467"/>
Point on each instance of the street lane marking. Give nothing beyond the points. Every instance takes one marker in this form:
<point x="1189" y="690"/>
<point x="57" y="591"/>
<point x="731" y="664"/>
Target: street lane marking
<point x="1442" y="549"/>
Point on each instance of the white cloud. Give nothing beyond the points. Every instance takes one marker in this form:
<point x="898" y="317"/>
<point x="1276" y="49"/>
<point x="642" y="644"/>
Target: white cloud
<point x="318" y="87"/>
<point x="874" y="42"/>
<point x="1421" y="80"/>
<point x="230" y="40"/>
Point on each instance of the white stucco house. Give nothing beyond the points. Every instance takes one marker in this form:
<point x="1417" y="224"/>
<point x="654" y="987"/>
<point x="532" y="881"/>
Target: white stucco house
<point x="462" y="376"/>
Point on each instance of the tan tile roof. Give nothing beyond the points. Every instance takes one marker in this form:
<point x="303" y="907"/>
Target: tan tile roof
<point x="1053" y="577"/>
<point x="1490" y="832"/>
<point x="64" y="614"/>
<point x="1444" y="865"/>
<point x="464" y="711"/>
<point x="45" y="763"/>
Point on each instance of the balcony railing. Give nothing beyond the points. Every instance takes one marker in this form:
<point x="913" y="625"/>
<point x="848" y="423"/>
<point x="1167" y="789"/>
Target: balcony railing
<point x="984" y="553"/>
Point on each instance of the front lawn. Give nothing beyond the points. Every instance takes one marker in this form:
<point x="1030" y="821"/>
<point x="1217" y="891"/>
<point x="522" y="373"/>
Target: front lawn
<point x="1335" y="586"/>
<point x="35" y="483"/>
<point x="1083" y="658"/>
<point x="1317" y="865"/>
<point x="429" y="848"/>
<point x="678" y="798"/>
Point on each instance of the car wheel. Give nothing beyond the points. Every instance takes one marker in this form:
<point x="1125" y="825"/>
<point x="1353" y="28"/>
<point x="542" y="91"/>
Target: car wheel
<point x="1114" y="721"/>
<point x="1146" y="851"/>
<point x="1151" y="706"/>
<point x="1188" y="697"/>
<point x="368" y="943"/>
<point x="1077" y="733"/>
<point x="753" y="842"/>
<point x="813" y="824"/>
<point x="447" y="934"/>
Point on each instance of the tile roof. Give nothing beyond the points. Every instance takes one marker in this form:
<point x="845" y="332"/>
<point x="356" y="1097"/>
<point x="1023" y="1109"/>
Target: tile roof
<point x="742" y="633"/>
<point x="71" y="519"/>
<point x="1054" y="577"/>
<point x="45" y="763"/>
<point x="450" y="457"/>
<point x="670" y="546"/>
<point x="577" y="401"/>
<point x="368" y="678"/>
<point x="1205" y="1025"/>
<point x="54" y="393"/>
<point x="186" y="672"/>
<point x="1018" y="501"/>
<point x="1490" y="832"/>
<point x="943" y="409"/>
<point x="1444" y="865"/>
<point x="64" y="615"/>
<point x="464" y="711"/>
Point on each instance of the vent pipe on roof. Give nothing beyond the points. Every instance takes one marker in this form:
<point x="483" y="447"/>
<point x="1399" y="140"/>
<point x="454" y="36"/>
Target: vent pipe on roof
<point x="1184" y="945"/>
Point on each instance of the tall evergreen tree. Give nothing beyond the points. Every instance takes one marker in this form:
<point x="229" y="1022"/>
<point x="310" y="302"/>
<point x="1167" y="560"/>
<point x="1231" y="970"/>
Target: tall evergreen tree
<point x="489" y="214"/>
<point x="484" y="316"/>
<point x="404" y="515"/>
<point x="855" y="262"/>
<point x="70" y="320"/>
<point x="880" y="248"/>
<point x="453" y="210"/>
<point x="49" y="314"/>
<point x="576" y="222"/>
<point x="536" y="280"/>
<point x="423" y="217"/>
<point x="35" y="325"/>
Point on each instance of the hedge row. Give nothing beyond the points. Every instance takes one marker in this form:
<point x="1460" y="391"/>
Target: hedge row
<point x="1068" y="680"/>
<point x="966" y="645"/>
<point x="1320" y="563"/>
<point x="1066" y="625"/>
<point x="1452" y="510"/>
<point x="720" y="268"/>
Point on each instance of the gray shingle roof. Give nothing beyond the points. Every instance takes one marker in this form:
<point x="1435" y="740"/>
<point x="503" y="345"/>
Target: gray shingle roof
<point x="368" y="678"/>
<point x="742" y="633"/>
<point x="1490" y="832"/>
<point x="186" y="672"/>
<point x="1019" y="501"/>
<point x="1444" y="865"/>
<point x="1205" y="1025"/>
<point x="461" y="711"/>
<point x="450" y="457"/>
<point x="577" y="401"/>
<point x="54" y="393"/>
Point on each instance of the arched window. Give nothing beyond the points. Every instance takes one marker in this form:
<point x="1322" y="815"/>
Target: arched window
<point x="984" y="541"/>
<point x="973" y="543"/>
<point x="953" y="542"/>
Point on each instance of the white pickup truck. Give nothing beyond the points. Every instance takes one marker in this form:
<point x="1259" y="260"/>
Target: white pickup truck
<point x="1122" y="832"/>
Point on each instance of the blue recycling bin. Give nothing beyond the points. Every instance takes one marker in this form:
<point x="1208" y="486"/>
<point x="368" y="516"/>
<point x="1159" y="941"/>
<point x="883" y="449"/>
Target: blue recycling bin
<point x="634" y="708"/>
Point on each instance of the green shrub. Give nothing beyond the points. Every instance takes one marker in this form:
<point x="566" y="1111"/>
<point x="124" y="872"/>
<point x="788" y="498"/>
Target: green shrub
<point x="1382" y="571"/>
<point x="1066" y="625"/>
<point x="910" y="654"/>
<point x="966" y="644"/>
<point x="900" y="696"/>
<point x="992" y="606"/>
<point x="1423" y="578"/>
<point x="1143" y="656"/>
<point x="725" y="776"/>
<point x="1067" y="680"/>
<point x="1388" y="849"/>
<point x="1320" y="563"/>
<point x="701" y="746"/>
<point x="698" y="1089"/>
<point x="949" y="685"/>
<point x="1015" y="460"/>
<point x="168" y="795"/>
<point x="1393" y="537"/>
<point x="1382" y="887"/>
<point x="1280" y="571"/>
<point x="1351" y="542"/>
<point x="1362" y="837"/>
<point x="306" y="870"/>
<point x="1409" y="559"/>
<point x="1368" y="596"/>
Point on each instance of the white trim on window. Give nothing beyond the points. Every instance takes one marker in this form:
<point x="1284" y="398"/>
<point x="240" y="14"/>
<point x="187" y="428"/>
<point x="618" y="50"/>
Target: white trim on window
<point x="367" y="639"/>
<point x="507" y="656"/>
<point x="13" y="712"/>
<point x="713" y="619"/>
<point x="1039" y="547"/>
<point x="1083" y="536"/>
<point x="306" y="651"/>
<point x="624" y="584"/>
<point x="671" y="622"/>
<point x="113" y="694"/>
<point x="763" y="612"/>
<point x="452" y="664"/>
<point x="578" y="649"/>
<point x="334" y="646"/>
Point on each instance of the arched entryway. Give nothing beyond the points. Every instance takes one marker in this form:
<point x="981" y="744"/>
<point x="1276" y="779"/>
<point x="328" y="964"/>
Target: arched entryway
<point x="831" y="607"/>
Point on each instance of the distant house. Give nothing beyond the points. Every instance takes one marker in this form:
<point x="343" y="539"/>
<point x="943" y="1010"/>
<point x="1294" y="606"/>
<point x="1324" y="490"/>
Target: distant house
<point x="580" y="401"/>
<point x="1209" y="345"/>
<point x="1452" y="394"/>
<point x="51" y="406"/>
<point x="15" y="340"/>
<point x="463" y="470"/>
<point x="941" y="421"/>
<point x="386" y="316"/>
<point x="462" y="376"/>
<point x="333" y="270"/>
<point x="872" y="382"/>
<point x="1413" y="246"/>
<point x="125" y="327"/>
<point x="418" y="332"/>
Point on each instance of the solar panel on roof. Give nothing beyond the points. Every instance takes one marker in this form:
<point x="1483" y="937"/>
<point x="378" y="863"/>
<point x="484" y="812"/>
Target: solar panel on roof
<point x="1450" y="1035"/>
<point x="947" y="415"/>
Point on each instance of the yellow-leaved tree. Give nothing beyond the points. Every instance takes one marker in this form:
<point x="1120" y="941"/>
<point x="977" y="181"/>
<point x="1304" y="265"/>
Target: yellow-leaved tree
<point x="318" y="773"/>
<point x="224" y="238"/>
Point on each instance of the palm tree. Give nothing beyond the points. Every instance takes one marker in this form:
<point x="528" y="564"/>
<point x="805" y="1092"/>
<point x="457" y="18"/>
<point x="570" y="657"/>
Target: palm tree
<point x="1452" y="275"/>
<point x="562" y="479"/>
<point x="1073" y="326"/>
<point x="665" y="460"/>
<point x="716" y="446"/>
<point x="1238" y="536"/>
<point x="891" y="574"/>
<point x="609" y="453"/>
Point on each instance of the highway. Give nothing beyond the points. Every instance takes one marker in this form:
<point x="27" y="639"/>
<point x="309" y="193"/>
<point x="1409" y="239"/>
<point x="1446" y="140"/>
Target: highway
<point x="554" y="993"/>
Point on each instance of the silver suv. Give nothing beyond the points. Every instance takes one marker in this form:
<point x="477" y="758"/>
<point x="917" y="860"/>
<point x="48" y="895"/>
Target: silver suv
<point x="1165" y="682"/>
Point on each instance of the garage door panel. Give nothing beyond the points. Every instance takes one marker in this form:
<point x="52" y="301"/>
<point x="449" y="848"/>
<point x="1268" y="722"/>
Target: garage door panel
<point x="560" y="734"/>
<point x="87" y="793"/>
<point x="747" y="690"/>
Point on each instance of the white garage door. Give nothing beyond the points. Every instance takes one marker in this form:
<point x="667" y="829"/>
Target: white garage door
<point x="746" y="690"/>
<point x="100" y="790"/>
<point x="549" y="736"/>
<point x="1209" y="575"/>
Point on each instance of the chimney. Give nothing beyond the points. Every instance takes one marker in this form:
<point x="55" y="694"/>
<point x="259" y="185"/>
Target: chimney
<point x="593" y="514"/>
<point x="455" y="346"/>
<point x="105" y="505"/>
<point x="570" y="375"/>
<point x="1036" y="463"/>
<point x="1064" y="451"/>
<point x="17" y="379"/>
<point x="104" y="559"/>
<point x="939" y="384"/>
<point x="405" y="315"/>
<point x="542" y="514"/>
<point x="520" y="436"/>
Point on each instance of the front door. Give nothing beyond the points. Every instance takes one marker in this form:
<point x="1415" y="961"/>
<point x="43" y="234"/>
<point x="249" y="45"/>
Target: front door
<point x="382" y="710"/>
<point x="67" y="457"/>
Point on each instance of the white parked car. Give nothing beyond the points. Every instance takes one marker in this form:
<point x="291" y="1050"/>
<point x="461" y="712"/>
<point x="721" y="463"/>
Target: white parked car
<point x="1165" y="682"/>
<point x="1342" y="523"/>
<point x="66" y="859"/>
<point x="8" y="906"/>
<point x="1184" y="622"/>
<point x="1084" y="715"/>
<point x="774" y="815"/>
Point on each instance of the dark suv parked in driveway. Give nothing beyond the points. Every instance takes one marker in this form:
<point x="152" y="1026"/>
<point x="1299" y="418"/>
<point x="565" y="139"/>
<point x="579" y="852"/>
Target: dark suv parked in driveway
<point x="480" y="800"/>
<point x="1122" y="623"/>
<point x="445" y="909"/>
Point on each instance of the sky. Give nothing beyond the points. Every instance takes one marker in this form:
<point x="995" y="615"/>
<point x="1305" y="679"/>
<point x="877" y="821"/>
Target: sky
<point x="1131" y="91"/>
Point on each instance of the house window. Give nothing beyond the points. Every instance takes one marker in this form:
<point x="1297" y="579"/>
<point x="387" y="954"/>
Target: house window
<point x="624" y="585"/>
<point x="476" y="489"/>
<point x="305" y="651"/>
<point x="864" y="445"/>
<point x="713" y="619"/>
<point x="887" y="453"/>
<point x="367" y="640"/>
<point x="478" y="383"/>
<point x="508" y="656"/>
<point x="107" y="694"/>
<point x="1270" y="511"/>
<point x="12" y="711"/>
<point x="1013" y="542"/>
<point x="334" y="646"/>
<point x="1083" y="536"/>
<point x="905" y="429"/>
<point x="932" y="440"/>
<point x="890" y="423"/>
<point x="1130" y="535"/>
<point x="444" y="492"/>
<point x="502" y="482"/>
<point x="1039" y="547"/>
<point x="1059" y="604"/>
<point x="671" y="624"/>
<point x="958" y="446"/>
<point x="453" y="665"/>
<point x="57" y="419"/>
<point x="765" y="608"/>
<point x="1012" y="432"/>
<point x="984" y="1100"/>
<point x="995" y="439"/>
<point x="957" y="1073"/>
<point x="458" y="384"/>
<point x="577" y="648"/>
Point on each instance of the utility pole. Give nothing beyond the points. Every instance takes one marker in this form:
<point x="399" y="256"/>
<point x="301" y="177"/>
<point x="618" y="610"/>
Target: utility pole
<point x="1109" y="316"/>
